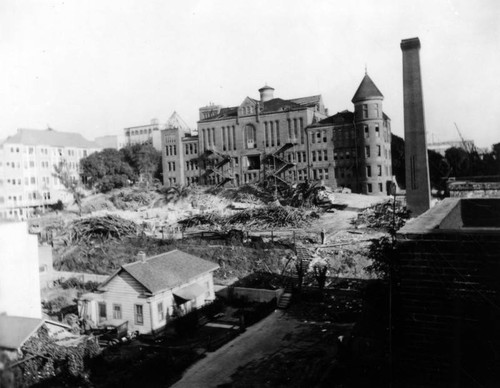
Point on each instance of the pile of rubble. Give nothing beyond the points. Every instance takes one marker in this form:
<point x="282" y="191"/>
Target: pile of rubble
<point x="387" y="216"/>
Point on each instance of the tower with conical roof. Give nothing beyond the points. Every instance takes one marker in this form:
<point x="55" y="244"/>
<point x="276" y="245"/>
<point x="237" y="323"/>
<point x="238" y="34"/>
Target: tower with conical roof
<point x="373" y="139"/>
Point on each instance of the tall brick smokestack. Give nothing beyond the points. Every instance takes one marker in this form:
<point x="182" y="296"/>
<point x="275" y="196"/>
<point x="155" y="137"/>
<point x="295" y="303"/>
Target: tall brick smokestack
<point x="418" y="195"/>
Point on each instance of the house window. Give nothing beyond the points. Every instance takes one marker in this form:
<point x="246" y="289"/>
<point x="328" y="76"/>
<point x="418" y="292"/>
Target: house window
<point x="369" y="185"/>
<point x="117" y="311"/>
<point x="367" y="132"/>
<point x="379" y="151"/>
<point x="380" y="187"/>
<point x="367" y="151"/>
<point x="161" y="313"/>
<point x="379" y="168"/>
<point x="365" y="111"/>
<point x="368" y="171"/>
<point x="102" y="311"/>
<point x="139" y="314"/>
<point x="377" y="131"/>
<point x="325" y="154"/>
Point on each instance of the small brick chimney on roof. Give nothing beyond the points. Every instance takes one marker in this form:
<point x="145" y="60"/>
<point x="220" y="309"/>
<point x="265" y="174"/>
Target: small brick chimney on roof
<point x="141" y="256"/>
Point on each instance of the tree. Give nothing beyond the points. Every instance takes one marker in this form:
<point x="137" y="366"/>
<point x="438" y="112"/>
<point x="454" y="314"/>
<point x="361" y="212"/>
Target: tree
<point x="144" y="159"/>
<point x="439" y="170"/>
<point x="459" y="161"/>
<point x="398" y="159"/>
<point x="106" y="170"/>
<point x="69" y="179"/>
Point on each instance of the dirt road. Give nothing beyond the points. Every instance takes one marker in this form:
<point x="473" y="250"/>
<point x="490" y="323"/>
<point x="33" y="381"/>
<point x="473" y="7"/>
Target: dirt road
<point x="259" y="341"/>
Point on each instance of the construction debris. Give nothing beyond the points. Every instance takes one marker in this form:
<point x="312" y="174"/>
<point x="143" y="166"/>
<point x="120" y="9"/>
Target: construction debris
<point x="268" y="217"/>
<point x="385" y="216"/>
<point x="103" y="228"/>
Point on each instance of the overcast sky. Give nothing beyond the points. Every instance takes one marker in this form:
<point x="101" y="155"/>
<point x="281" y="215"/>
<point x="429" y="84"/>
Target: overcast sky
<point x="96" y="67"/>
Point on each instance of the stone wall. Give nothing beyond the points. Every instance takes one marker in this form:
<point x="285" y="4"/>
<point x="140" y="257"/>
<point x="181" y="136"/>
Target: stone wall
<point x="474" y="189"/>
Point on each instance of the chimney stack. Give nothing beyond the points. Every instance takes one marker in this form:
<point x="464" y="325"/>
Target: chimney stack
<point x="141" y="256"/>
<point x="418" y="195"/>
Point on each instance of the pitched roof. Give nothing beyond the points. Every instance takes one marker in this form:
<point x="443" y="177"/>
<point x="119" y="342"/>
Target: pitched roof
<point x="176" y="121"/>
<point x="307" y="101"/>
<point x="367" y="89"/>
<point x="273" y="105"/>
<point x="15" y="331"/>
<point x="340" y="118"/>
<point x="49" y="137"/>
<point x="167" y="270"/>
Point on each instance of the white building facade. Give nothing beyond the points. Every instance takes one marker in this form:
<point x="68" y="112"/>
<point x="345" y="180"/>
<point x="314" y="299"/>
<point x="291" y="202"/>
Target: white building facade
<point x="27" y="161"/>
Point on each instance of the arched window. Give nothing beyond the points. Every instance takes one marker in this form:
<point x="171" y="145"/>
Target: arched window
<point x="250" y="136"/>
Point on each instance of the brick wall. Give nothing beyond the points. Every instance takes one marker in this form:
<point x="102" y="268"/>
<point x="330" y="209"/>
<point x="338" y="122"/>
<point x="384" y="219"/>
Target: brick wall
<point x="448" y="311"/>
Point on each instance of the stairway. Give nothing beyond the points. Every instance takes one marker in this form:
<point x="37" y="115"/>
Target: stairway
<point x="285" y="300"/>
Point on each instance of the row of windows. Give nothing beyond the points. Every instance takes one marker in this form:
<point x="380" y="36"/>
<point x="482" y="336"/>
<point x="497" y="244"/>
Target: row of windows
<point x="377" y="109"/>
<point x="32" y="164"/>
<point x="369" y="187"/>
<point x="31" y="196"/>
<point x="296" y="128"/>
<point x="228" y="138"/>
<point x="171" y="150"/>
<point x="319" y="137"/>
<point x="250" y="177"/>
<point x="172" y="181"/>
<point x="378" y="170"/>
<point x="45" y="151"/>
<point x="319" y="173"/>
<point x="343" y="172"/>
<point x="342" y="155"/>
<point x="192" y="180"/>
<point x="191" y="165"/>
<point x="135" y="132"/>
<point x="32" y="181"/>
<point x="191" y="149"/>
<point x="246" y="110"/>
<point x="171" y="166"/>
<point x="272" y="133"/>
<point x="320" y="155"/>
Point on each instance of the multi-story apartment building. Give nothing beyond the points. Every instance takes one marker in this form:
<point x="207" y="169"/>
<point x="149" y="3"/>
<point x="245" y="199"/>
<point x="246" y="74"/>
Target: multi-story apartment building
<point x="27" y="161"/>
<point x="279" y="142"/>
<point x="144" y="134"/>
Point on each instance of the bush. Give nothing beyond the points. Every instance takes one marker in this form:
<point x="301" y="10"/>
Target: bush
<point x="79" y="284"/>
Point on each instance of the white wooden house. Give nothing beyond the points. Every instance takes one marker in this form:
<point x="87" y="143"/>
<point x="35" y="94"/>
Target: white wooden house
<point x="149" y="292"/>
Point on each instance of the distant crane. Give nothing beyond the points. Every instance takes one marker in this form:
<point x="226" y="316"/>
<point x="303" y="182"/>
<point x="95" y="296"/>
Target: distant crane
<point x="468" y="146"/>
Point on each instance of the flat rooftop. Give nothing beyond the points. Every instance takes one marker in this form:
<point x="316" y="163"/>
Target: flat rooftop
<point x="467" y="215"/>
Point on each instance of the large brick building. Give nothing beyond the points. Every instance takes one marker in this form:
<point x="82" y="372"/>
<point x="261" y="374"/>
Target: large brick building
<point x="283" y="142"/>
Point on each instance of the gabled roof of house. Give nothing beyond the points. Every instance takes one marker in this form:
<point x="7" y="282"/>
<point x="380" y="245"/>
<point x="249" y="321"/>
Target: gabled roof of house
<point x="49" y="137"/>
<point x="367" y="89"/>
<point x="15" y="331"/>
<point x="165" y="271"/>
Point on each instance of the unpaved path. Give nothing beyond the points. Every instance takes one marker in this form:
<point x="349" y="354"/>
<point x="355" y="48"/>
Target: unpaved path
<point x="260" y="340"/>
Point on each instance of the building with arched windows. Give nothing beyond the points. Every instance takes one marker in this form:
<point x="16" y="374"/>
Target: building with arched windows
<point x="281" y="142"/>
